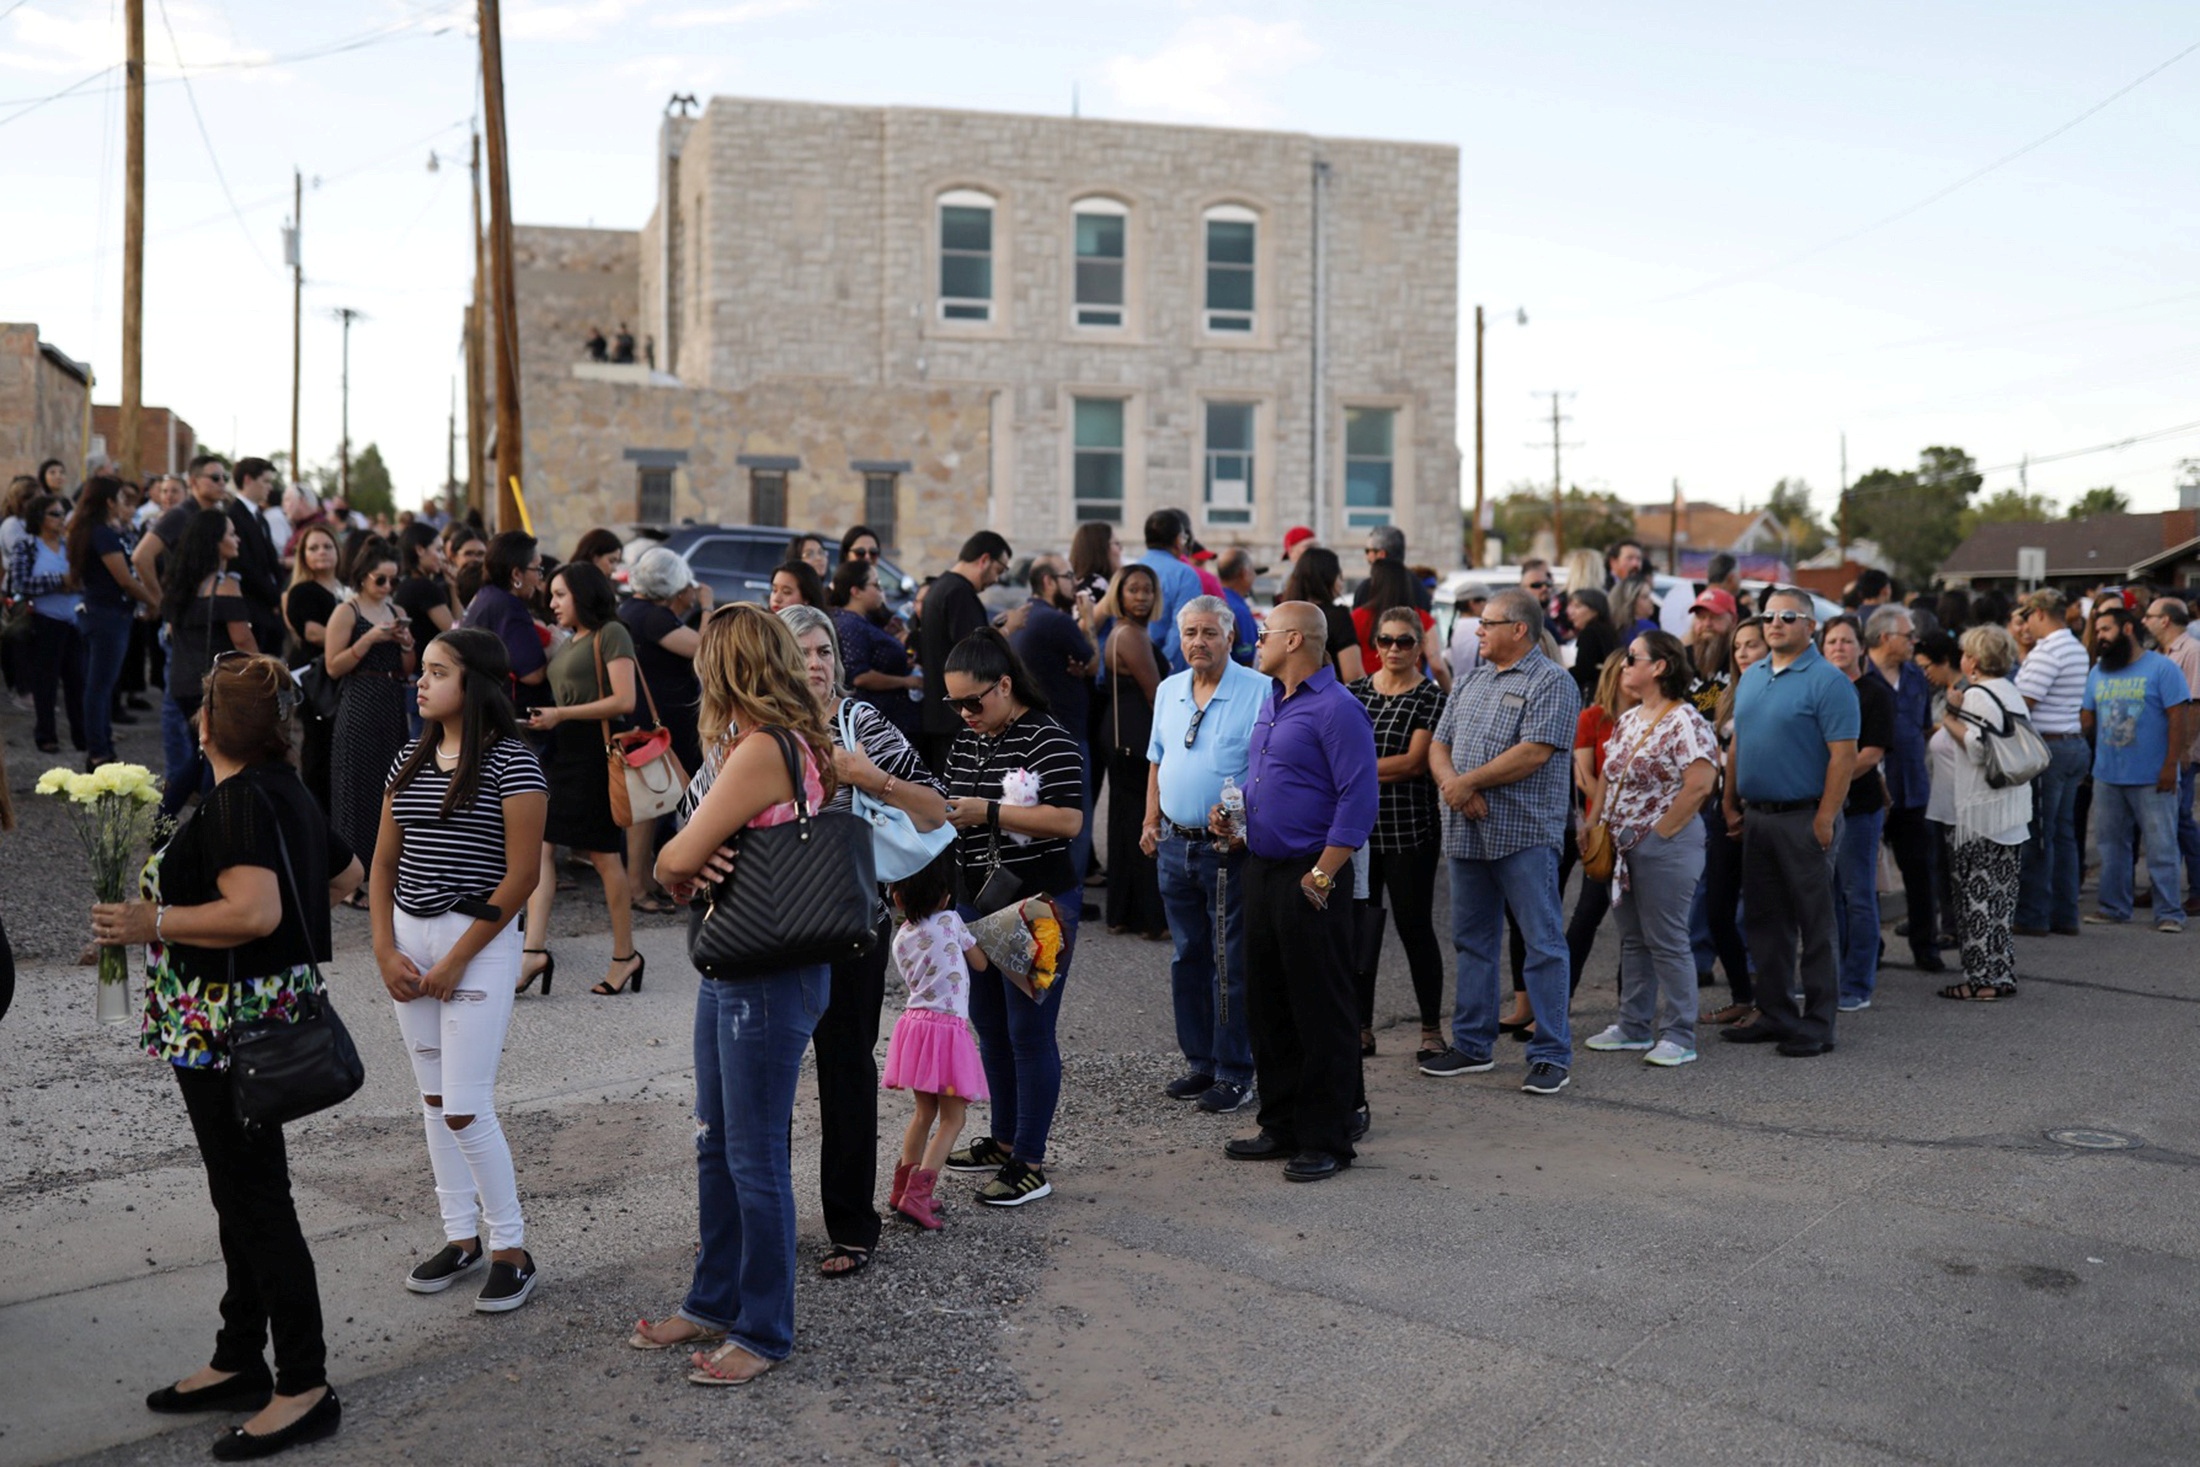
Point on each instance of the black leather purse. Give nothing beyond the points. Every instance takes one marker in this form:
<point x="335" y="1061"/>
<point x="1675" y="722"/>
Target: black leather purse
<point x="801" y="893"/>
<point x="280" y="1070"/>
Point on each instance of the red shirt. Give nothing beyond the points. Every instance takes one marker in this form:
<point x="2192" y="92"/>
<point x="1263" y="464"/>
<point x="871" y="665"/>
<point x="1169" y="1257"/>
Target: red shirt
<point x="1363" y="622"/>
<point x="1592" y="732"/>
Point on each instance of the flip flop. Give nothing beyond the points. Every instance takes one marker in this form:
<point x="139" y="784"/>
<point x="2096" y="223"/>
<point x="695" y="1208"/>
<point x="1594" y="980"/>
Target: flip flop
<point x="706" y="1372"/>
<point x="655" y="906"/>
<point x="640" y="1340"/>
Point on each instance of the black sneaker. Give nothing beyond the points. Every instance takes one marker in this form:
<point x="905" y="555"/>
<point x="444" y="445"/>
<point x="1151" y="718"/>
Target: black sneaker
<point x="1545" y="1078"/>
<point x="1188" y="1087"/>
<point x="1016" y="1185"/>
<point x="1452" y="1062"/>
<point x="444" y="1269"/>
<point x="982" y="1155"/>
<point x="509" y="1285"/>
<point x="1223" y="1096"/>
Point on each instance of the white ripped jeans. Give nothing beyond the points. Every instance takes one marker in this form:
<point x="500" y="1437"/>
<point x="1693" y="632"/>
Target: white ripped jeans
<point x="455" y="1045"/>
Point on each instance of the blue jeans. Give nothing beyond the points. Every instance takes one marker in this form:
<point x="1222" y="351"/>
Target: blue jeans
<point x="2118" y="810"/>
<point x="106" y="632"/>
<point x="1212" y="1044"/>
<point x="1080" y="848"/>
<point x="1526" y="883"/>
<point x="1023" y="1064"/>
<point x="1856" y="904"/>
<point x="749" y="1039"/>
<point x="2047" y="889"/>
<point x="2188" y="833"/>
<point x="179" y="749"/>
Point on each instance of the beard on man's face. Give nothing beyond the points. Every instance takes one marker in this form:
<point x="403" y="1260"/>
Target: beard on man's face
<point x="2116" y="652"/>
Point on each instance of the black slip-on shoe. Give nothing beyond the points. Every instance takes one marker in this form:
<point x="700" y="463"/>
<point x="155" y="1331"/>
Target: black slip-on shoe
<point x="321" y="1420"/>
<point x="445" y="1268"/>
<point x="245" y="1391"/>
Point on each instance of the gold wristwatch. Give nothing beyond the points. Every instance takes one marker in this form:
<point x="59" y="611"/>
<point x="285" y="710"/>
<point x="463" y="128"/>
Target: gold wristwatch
<point x="1323" y="881"/>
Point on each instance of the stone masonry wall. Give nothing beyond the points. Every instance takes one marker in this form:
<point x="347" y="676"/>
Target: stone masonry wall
<point x="41" y="407"/>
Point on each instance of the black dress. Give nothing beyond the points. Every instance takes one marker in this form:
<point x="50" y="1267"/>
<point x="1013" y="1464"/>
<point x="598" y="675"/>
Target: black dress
<point x="310" y="601"/>
<point x="1134" y="878"/>
<point x="370" y="732"/>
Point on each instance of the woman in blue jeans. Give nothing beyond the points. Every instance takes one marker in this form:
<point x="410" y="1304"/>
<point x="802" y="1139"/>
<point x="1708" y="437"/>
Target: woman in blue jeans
<point x="1008" y="732"/>
<point x="750" y="1031"/>
<point x="100" y="562"/>
<point x="1856" y="850"/>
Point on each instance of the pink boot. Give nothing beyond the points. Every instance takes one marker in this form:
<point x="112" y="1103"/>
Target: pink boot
<point x="902" y="1169"/>
<point x="917" y="1203"/>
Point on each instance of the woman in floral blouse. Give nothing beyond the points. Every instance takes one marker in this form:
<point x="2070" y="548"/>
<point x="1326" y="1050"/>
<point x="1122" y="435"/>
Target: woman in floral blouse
<point x="227" y="943"/>
<point x="1658" y="770"/>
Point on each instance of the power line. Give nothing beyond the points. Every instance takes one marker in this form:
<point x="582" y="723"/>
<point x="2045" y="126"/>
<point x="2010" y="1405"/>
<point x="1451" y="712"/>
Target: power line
<point x="192" y="96"/>
<point x="2034" y="460"/>
<point x="1936" y="196"/>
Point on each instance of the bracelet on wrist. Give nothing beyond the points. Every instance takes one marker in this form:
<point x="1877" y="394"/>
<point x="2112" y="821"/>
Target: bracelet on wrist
<point x="160" y="915"/>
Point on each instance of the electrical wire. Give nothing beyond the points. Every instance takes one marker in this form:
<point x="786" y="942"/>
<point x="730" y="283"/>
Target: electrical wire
<point x="1930" y="199"/>
<point x="191" y="95"/>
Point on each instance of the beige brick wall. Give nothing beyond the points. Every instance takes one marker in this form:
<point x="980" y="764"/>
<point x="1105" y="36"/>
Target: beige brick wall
<point x="41" y="407"/>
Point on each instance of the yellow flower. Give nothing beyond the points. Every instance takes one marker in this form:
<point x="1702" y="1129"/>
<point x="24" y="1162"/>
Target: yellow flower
<point x="83" y="788"/>
<point x="54" y="780"/>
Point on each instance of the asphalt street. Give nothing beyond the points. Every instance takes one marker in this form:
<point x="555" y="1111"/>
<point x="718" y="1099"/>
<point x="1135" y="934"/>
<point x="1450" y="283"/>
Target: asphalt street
<point x="1882" y="1255"/>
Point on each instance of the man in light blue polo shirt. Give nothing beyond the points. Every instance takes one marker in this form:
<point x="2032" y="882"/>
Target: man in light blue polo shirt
<point x="1168" y="532"/>
<point x="1796" y="719"/>
<point x="1202" y="731"/>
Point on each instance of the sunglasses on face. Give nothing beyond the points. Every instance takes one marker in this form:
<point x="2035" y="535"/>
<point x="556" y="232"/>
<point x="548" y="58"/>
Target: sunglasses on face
<point x="975" y="703"/>
<point x="1539" y="585"/>
<point x="1395" y="640"/>
<point x="1265" y="634"/>
<point x="215" y="478"/>
<point x="379" y="580"/>
<point x="868" y="552"/>
<point x="1787" y="618"/>
<point x="1636" y="659"/>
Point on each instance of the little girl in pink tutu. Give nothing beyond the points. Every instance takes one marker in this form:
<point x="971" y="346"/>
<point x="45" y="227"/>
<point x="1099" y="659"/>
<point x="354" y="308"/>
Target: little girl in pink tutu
<point x="931" y="1051"/>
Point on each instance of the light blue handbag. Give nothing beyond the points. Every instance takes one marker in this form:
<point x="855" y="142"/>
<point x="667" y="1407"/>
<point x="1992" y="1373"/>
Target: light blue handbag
<point x="899" y="849"/>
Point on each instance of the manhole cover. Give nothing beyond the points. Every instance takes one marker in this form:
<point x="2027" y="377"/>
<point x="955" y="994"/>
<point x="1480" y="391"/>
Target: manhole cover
<point x="2093" y="1140"/>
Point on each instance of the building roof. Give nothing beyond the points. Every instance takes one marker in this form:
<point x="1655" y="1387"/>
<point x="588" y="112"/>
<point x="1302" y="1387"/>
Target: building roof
<point x="66" y="363"/>
<point x="2103" y="544"/>
<point x="1702" y="527"/>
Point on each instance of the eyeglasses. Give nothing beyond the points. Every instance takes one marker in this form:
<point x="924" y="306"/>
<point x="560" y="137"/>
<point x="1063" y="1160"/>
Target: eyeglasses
<point x="1265" y="633"/>
<point x="864" y="553"/>
<point x="535" y="569"/>
<point x="1393" y="640"/>
<point x="1632" y="659"/>
<point x="974" y="703"/>
<point x="1191" y="730"/>
<point x="379" y="580"/>
<point x="1496" y="621"/>
<point x="1539" y="585"/>
<point x="215" y="478"/>
<point x="1787" y="618"/>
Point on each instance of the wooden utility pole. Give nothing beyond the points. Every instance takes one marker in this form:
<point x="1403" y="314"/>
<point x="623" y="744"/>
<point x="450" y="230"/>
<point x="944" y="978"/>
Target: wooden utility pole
<point x="500" y="267"/>
<point x="1474" y="533"/>
<point x="133" y="239"/>
<point x="477" y="365"/>
<point x="450" y="454"/>
<point x="297" y="309"/>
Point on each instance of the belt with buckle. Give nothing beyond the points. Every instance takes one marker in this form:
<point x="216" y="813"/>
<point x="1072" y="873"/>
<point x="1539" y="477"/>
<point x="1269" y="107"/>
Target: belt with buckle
<point x="2061" y="736"/>
<point x="1190" y="832"/>
<point x="1779" y="807"/>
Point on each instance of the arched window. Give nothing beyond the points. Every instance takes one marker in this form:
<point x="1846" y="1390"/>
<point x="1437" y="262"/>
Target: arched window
<point x="1102" y="226"/>
<point x="966" y="255"/>
<point x="1232" y="239"/>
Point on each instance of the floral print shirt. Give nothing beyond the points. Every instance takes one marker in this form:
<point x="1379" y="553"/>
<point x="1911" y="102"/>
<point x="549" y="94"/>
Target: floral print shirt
<point x="930" y="955"/>
<point x="1643" y="767"/>
<point x="188" y="1018"/>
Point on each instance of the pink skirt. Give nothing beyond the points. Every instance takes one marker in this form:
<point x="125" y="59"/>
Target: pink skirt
<point x="933" y="1052"/>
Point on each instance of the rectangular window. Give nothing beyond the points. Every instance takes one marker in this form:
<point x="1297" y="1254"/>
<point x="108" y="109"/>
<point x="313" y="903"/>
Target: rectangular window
<point x="653" y="496"/>
<point x="1100" y="234"/>
<point x="966" y="258"/>
<point x="880" y="506"/>
<point x="767" y="496"/>
<point x="1230" y="239"/>
<point x="1230" y="463"/>
<point x="1369" y="461"/>
<point x="1098" y="459"/>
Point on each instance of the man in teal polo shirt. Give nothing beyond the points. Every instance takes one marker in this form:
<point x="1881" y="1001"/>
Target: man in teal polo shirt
<point x="1787" y="775"/>
<point x="1203" y="722"/>
<point x="2135" y="708"/>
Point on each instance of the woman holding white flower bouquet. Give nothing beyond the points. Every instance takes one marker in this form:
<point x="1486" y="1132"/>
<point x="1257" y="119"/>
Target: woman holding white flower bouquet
<point x="228" y="943"/>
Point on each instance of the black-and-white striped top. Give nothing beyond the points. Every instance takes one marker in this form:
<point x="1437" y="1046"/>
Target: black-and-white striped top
<point x="449" y="859"/>
<point x="975" y="766"/>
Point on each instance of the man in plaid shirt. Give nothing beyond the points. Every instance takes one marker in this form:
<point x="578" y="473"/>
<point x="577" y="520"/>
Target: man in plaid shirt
<point x="1498" y="766"/>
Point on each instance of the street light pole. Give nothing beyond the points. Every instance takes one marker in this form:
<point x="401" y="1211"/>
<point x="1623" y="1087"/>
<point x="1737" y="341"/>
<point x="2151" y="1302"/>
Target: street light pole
<point x="346" y="315"/>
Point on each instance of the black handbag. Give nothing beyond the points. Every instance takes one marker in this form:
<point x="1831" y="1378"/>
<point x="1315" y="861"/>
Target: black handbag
<point x="318" y="693"/>
<point x="1001" y="884"/>
<point x="801" y="893"/>
<point x="282" y="1069"/>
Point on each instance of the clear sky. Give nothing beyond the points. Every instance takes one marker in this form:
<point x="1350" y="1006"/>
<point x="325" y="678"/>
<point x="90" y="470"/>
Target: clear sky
<point x="1687" y="199"/>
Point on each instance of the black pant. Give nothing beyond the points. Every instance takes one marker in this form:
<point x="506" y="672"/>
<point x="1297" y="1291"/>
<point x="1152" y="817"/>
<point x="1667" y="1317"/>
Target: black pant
<point x="316" y="739"/>
<point x="57" y="661"/>
<point x="1134" y="878"/>
<point x="1722" y="896"/>
<point x="846" y="1044"/>
<point x="1408" y="878"/>
<point x="7" y="973"/>
<point x="1910" y="836"/>
<point x="1298" y="1007"/>
<point x="271" y="1280"/>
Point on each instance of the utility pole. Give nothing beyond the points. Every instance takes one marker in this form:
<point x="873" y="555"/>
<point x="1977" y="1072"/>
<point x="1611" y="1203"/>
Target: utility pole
<point x="477" y="362"/>
<point x="1558" y="476"/>
<point x="133" y="238"/>
<point x="1841" y="506"/>
<point x="295" y="242"/>
<point x="1474" y="531"/>
<point x="1673" y="531"/>
<point x="346" y="315"/>
<point x="509" y="457"/>
<point x="450" y="452"/>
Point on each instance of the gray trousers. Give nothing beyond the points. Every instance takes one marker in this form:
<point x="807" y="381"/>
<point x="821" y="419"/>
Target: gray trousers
<point x="1787" y="907"/>
<point x="1657" y="957"/>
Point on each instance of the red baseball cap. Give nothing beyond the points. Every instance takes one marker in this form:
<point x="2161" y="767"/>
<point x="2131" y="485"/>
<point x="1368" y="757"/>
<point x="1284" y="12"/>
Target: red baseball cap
<point x="1294" y="537"/>
<point x="1715" y="599"/>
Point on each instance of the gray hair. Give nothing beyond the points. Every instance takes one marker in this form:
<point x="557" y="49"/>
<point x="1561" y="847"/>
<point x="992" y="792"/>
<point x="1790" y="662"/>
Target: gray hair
<point x="802" y="619"/>
<point x="1515" y="604"/>
<point x="1799" y="597"/>
<point x="1992" y="648"/>
<point x="1213" y="606"/>
<point x="1887" y="619"/>
<point x="659" y="574"/>
<point x="1390" y="540"/>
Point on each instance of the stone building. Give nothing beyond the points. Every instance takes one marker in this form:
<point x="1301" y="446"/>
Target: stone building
<point x="43" y="398"/>
<point x="166" y="443"/>
<point x="934" y="321"/>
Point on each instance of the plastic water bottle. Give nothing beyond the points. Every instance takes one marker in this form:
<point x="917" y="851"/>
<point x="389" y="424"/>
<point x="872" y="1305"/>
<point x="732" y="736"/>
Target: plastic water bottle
<point x="1233" y="808"/>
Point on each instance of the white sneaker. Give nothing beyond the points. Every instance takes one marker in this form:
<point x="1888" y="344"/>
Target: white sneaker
<point x="1668" y="1055"/>
<point x="1612" y="1038"/>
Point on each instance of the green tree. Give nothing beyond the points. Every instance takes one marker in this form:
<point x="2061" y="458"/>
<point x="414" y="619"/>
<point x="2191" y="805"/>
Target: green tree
<point x="371" y="491"/>
<point x="1790" y="506"/>
<point x="2103" y="500"/>
<point x="2009" y="507"/>
<point x="1915" y="516"/>
<point x="1594" y="520"/>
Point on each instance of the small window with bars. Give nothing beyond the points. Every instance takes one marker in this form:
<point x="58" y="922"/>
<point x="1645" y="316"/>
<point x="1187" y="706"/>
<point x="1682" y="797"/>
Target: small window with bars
<point x="881" y="505"/>
<point x="767" y="496"/>
<point x="653" y="496"/>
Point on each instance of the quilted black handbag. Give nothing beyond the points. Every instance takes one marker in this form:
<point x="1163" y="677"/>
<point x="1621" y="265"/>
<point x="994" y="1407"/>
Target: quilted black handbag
<point x="282" y="1069"/>
<point x="801" y="893"/>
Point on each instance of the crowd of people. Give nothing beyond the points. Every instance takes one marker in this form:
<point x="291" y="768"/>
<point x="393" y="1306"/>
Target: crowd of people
<point x="415" y="725"/>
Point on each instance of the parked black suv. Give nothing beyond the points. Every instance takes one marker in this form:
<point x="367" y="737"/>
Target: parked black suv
<point x="736" y="561"/>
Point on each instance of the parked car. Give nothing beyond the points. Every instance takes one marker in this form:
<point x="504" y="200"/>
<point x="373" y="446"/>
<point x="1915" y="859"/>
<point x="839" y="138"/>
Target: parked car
<point x="1498" y="577"/>
<point x="736" y="561"/>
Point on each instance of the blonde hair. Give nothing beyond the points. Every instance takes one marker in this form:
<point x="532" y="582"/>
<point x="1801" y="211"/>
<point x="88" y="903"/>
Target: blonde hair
<point x="1608" y="684"/>
<point x="752" y="672"/>
<point x="1992" y="648"/>
<point x="1583" y="568"/>
<point x="299" y="575"/>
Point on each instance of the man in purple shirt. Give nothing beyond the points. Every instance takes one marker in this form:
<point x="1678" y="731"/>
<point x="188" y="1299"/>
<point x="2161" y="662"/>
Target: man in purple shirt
<point x="1309" y="804"/>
